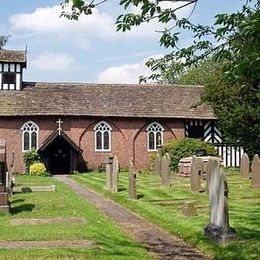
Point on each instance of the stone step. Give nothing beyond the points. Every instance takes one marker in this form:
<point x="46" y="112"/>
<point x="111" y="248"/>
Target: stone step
<point x="4" y="209"/>
<point x="3" y="198"/>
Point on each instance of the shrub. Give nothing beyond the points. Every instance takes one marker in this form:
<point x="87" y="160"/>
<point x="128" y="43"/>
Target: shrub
<point x="185" y="148"/>
<point x="29" y="158"/>
<point x="38" y="169"/>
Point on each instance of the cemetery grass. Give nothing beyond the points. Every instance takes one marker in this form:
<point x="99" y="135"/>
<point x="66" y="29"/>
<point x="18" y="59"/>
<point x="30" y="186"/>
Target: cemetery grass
<point x="111" y="242"/>
<point x="162" y="206"/>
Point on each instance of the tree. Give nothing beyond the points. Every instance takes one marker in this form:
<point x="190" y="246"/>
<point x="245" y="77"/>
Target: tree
<point x="233" y="41"/>
<point x="3" y="41"/>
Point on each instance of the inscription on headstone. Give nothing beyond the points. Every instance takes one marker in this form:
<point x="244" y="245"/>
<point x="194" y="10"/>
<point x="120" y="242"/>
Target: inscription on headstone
<point x="255" y="168"/>
<point x="244" y="166"/>
<point x="132" y="180"/>
<point x="165" y="171"/>
<point x="218" y="228"/>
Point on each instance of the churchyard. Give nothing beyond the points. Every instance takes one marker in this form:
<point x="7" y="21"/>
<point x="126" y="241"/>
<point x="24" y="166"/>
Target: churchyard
<point x="163" y="206"/>
<point x="64" y="217"/>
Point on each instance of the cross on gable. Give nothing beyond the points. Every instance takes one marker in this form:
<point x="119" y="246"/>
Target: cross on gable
<point x="59" y="122"/>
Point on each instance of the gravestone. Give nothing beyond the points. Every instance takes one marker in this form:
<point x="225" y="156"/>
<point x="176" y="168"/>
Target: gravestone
<point x="255" y="168"/>
<point x="195" y="179"/>
<point x="189" y="209"/>
<point x="109" y="171"/>
<point x="157" y="164"/>
<point x="209" y="169"/>
<point x="4" y="202"/>
<point x="244" y="166"/>
<point x="218" y="229"/>
<point x="132" y="180"/>
<point x="165" y="170"/>
<point x="115" y="173"/>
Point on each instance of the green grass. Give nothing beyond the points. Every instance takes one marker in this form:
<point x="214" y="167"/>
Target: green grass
<point x="113" y="243"/>
<point x="162" y="206"/>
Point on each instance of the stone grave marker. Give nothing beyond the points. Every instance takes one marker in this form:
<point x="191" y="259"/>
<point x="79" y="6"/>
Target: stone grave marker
<point x="244" y="166"/>
<point x="115" y="173"/>
<point x="189" y="209"/>
<point x="109" y="171"/>
<point x="218" y="229"/>
<point x="255" y="168"/>
<point x="132" y="192"/>
<point x="195" y="179"/>
<point x="165" y="170"/>
<point x="157" y="164"/>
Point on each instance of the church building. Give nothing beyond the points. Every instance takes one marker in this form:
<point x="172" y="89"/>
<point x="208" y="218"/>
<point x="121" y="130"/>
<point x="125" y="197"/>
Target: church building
<point x="73" y="125"/>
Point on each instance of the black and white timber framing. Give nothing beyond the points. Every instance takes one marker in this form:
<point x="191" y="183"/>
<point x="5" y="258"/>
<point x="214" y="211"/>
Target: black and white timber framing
<point x="208" y="131"/>
<point x="11" y="71"/>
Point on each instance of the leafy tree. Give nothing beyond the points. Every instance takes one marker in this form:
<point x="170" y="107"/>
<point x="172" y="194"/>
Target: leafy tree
<point x="233" y="40"/>
<point x="3" y="41"/>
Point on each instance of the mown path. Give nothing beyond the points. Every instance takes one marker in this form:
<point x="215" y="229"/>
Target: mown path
<point x="155" y="239"/>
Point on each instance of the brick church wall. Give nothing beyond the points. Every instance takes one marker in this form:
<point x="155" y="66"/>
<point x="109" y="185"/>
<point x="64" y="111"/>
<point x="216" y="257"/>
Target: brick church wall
<point x="129" y="137"/>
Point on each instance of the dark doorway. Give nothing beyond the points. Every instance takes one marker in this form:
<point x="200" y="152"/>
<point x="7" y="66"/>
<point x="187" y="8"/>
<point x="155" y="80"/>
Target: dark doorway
<point x="60" y="154"/>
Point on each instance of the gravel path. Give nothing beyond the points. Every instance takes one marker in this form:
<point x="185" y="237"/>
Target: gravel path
<point x="155" y="239"/>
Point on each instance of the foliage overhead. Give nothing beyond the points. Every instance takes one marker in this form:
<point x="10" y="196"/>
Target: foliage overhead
<point x="3" y="40"/>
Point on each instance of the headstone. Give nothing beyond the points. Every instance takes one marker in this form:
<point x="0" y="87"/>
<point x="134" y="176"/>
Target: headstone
<point x="195" y="179"/>
<point x="255" y="168"/>
<point x="109" y="171"/>
<point x="189" y="209"/>
<point x="165" y="171"/>
<point x="115" y="173"/>
<point x="218" y="229"/>
<point x="132" y="180"/>
<point x="244" y="166"/>
<point x="209" y="169"/>
<point x="157" y="164"/>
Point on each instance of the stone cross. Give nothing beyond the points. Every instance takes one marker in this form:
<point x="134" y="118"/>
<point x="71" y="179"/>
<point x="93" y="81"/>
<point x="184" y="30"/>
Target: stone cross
<point x="195" y="177"/>
<point x="157" y="164"/>
<point x="115" y="173"/>
<point x="218" y="229"/>
<point x="59" y="122"/>
<point x="244" y="166"/>
<point x="255" y="168"/>
<point x="165" y="171"/>
<point x="109" y="171"/>
<point x="132" y="180"/>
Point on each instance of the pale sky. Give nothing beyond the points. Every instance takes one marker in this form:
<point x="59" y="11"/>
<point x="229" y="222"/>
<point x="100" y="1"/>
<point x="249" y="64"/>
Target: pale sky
<point x="89" y="50"/>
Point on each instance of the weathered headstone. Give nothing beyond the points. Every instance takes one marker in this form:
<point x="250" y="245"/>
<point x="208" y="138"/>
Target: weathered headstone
<point x="189" y="209"/>
<point x="209" y="169"/>
<point x="157" y="164"/>
<point x="115" y="173"/>
<point x="165" y="171"/>
<point x="218" y="229"/>
<point x="109" y="171"/>
<point x="132" y="180"/>
<point x="255" y="168"/>
<point x="244" y="166"/>
<point x="195" y="179"/>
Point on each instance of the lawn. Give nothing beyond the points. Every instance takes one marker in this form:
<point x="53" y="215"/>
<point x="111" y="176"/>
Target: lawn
<point x="111" y="241"/>
<point x="162" y="206"/>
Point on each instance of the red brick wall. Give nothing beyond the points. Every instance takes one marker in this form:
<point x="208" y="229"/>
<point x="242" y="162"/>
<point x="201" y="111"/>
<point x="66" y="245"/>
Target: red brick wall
<point x="129" y="137"/>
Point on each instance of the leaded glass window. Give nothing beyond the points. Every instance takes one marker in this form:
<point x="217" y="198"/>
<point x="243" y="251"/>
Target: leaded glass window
<point x="30" y="132"/>
<point x="154" y="136"/>
<point x="102" y="136"/>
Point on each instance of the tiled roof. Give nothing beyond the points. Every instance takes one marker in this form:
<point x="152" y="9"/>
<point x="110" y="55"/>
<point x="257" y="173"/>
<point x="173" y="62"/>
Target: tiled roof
<point x="12" y="56"/>
<point x="68" y="99"/>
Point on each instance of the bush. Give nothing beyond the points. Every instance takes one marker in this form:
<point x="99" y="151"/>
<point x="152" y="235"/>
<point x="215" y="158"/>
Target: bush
<point x="29" y="158"/>
<point x="38" y="169"/>
<point x="185" y="148"/>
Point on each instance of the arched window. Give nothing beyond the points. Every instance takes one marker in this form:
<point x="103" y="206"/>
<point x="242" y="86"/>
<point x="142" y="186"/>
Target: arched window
<point x="154" y="136"/>
<point x="30" y="132"/>
<point x="102" y="136"/>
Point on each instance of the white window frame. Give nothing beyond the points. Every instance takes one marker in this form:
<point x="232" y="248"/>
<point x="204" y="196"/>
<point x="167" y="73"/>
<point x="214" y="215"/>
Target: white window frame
<point x="154" y="128"/>
<point x="34" y="128"/>
<point x="106" y="128"/>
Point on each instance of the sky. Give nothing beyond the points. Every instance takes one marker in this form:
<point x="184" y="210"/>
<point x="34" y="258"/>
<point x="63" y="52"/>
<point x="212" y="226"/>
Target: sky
<point x="90" y="50"/>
